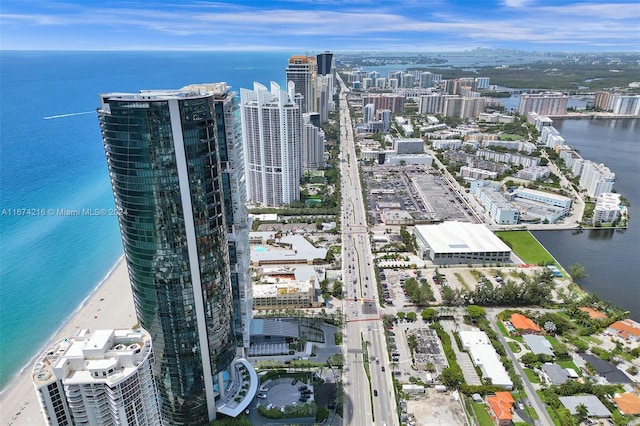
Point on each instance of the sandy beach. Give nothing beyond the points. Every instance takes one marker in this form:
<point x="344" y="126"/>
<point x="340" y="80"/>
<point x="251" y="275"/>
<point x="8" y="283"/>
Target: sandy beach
<point x="110" y="306"/>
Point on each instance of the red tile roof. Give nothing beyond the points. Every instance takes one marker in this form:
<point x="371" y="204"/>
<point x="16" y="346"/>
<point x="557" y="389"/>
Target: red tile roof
<point x="520" y="322"/>
<point x="628" y="403"/>
<point x="627" y="328"/>
<point x="501" y="404"/>
<point x="593" y="313"/>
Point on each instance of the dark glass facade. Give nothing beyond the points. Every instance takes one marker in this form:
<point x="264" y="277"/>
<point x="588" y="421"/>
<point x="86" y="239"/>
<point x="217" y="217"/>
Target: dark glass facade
<point x="163" y="159"/>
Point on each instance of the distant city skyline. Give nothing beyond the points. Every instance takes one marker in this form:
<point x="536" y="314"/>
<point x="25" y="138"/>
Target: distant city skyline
<point x="318" y="25"/>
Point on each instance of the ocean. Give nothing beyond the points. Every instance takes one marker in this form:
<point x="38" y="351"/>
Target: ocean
<point x="53" y="253"/>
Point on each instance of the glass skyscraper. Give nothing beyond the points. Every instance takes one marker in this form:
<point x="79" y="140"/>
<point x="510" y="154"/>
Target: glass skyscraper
<point x="163" y="157"/>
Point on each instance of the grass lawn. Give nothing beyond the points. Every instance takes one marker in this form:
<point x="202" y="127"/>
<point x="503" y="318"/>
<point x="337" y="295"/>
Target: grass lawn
<point x="515" y="347"/>
<point x="593" y="340"/>
<point x="482" y="415"/>
<point x="551" y="411"/>
<point x="526" y="247"/>
<point x="569" y="364"/>
<point x="502" y="329"/>
<point x="554" y="342"/>
<point x="531" y="375"/>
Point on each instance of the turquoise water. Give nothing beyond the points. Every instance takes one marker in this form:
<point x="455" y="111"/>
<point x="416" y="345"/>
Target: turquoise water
<point x="261" y="249"/>
<point x="53" y="254"/>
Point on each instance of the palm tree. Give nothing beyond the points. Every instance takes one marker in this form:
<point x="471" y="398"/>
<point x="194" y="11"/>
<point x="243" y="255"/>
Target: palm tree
<point x="581" y="412"/>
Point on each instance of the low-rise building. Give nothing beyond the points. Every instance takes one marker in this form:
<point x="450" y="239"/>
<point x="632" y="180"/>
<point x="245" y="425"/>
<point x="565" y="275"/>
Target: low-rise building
<point x="460" y="242"/>
<point x="627" y="329"/>
<point x="484" y="356"/>
<point x="595" y="408"/>
<point x="501" y="405"/>
<point x="524" y="325"/>
<point x="555" y="374"/>
<point x="279" y="288"/>
<point x="538" y="344"/>
<point x="628" y="403"/>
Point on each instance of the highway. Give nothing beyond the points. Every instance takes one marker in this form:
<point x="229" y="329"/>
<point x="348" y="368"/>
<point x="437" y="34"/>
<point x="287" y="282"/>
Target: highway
<point x="366" y="403"/>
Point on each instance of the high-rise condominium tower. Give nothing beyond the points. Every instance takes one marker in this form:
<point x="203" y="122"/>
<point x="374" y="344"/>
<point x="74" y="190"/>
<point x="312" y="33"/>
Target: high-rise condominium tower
<point x="273" y="144"/>
<point x="325" y="62"/>
<point x="99" y="377"/>
<point x="163" y="156"/>
<point x="303" y="71"/>
<point x="234" y="190"/>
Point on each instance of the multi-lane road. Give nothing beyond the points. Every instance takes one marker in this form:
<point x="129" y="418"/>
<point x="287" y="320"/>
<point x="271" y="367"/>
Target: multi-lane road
<point x="368" y="400"/>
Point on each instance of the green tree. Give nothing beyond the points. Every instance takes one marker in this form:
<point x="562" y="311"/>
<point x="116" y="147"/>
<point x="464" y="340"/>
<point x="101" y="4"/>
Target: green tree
<point x="577" y="272"/>
<point x="411" y="316"/>
<point x="452" y="377"/>
<point x="581" y="413"/>
<point x="337" y="289"/>
<point x="429" y="314"/>
<point x="476" y="312"/>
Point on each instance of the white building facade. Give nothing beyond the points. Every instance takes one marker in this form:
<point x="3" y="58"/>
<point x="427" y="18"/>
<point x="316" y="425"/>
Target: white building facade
<point x="102" y="377"/>
<point x="272" y="141"/>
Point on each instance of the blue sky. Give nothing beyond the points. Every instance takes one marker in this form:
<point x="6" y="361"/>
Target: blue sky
<point x="338" y="25"/>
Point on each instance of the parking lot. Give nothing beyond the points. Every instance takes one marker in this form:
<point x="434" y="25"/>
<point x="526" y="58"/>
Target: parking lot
<point x="417" y="189"/>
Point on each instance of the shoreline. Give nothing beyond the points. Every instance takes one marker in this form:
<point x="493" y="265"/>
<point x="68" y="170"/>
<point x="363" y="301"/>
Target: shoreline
<point x="18" y="399"/>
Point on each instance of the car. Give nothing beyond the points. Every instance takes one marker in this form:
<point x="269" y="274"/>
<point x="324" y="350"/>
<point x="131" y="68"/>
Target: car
<point x="303" y="387"/>
<point x="294" y="382"/>
<point x="520" y="405"/>
<point x="383" y="368"/>
<point x="375" y="392"/>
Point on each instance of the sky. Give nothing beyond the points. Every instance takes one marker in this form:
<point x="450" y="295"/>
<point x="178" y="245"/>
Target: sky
<point x="338" y="25"/>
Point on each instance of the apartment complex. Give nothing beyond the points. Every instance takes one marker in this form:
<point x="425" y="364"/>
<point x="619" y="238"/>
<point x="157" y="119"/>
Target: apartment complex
<point x="98" y="377"/>
<point x="617" y="103"/>
<point x="547" y="103"/>
<point x="163" y="155"/>
<point x="596" y="178"/>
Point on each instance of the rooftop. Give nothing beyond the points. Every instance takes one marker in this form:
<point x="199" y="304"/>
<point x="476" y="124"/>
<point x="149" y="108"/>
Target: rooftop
<point x="627" y="329"/>
<point x="501" y="404"/>
<point x="521" y="322"/>
<point x="595" y="408"/>
<point x="538" y="344"/>
<point x="556" y="374"/>
<point x="593" y="314"/>
<point x="457" y="237"/>
<point x="628" y="403"/>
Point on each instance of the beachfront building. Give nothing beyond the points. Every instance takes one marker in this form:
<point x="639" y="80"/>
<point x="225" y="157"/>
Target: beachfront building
<point x="234" y="190"/>
<point x="302" y="71"/>
<point x="460" y="242"/>
<point x="163" y="154"/>
<point x="99" y="377"/>
<point x="272" y="139"/>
